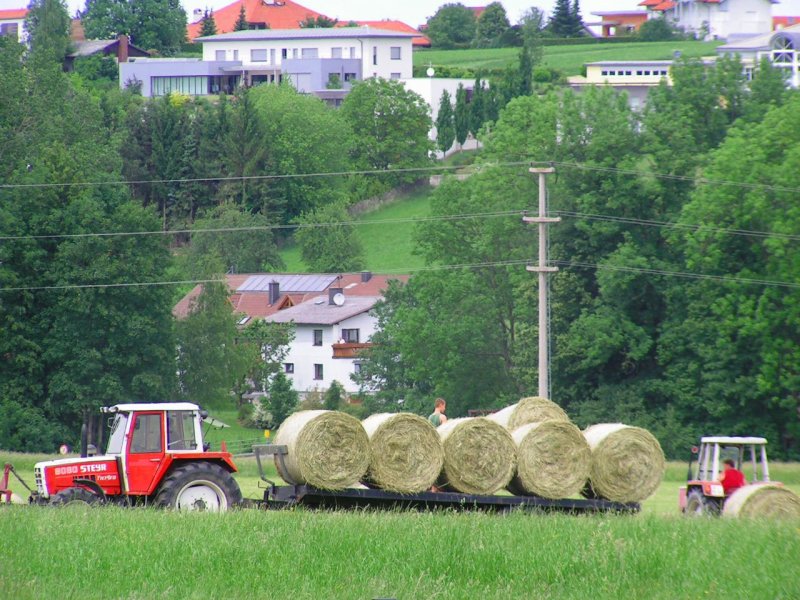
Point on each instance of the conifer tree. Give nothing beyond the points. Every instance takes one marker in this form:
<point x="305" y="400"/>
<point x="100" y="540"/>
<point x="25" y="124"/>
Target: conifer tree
<point x="241" y="23"/>
<point x="461" y="120"/>
<point x="445" y="126"/>
<point x="207" y="25"/>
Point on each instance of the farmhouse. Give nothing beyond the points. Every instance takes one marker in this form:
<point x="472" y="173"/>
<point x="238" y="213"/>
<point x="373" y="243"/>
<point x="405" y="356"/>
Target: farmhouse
<point x="332" y="315"/>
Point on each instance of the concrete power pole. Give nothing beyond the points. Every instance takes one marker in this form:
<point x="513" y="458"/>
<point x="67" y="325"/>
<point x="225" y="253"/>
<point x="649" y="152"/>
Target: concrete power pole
<point x="543" y="270"/>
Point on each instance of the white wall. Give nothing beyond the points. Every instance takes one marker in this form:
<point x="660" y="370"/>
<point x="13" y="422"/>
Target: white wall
<point x="351" y="47"/>
<point x="731" y="17"/>
<point x="304" y="354"/>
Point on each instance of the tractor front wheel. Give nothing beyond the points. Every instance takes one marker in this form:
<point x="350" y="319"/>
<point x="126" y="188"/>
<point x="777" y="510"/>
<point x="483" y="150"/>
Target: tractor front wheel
<point x="697" y="505"/>
<point x="75" y="496"/>
<point x="199" y="486"/>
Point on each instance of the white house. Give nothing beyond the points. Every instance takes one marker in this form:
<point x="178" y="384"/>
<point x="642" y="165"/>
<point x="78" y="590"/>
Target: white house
<point x="332" y="315"/>
<point x="715" y="19"/>
<point x="321" y="61"/>
<point x="781" y="47"/>
<point x="12" y="22"/>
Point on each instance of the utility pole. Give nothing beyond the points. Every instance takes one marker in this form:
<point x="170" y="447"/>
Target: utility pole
<point x="543" y="270"/>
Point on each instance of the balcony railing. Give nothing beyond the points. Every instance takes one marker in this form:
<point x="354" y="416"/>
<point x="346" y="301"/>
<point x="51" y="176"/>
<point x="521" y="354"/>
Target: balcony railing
<point x="348" y="349"/>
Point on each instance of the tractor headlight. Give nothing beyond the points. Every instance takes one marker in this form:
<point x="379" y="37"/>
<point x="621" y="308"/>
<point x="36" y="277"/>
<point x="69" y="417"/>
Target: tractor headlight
<point x="717" y="490"/>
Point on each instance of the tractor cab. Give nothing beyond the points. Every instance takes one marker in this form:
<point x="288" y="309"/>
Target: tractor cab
<point x="150" y="446"/>
<point x="703" y="492"/>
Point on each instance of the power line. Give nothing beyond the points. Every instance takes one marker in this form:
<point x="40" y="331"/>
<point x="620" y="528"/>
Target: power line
<point x="474" y="265"/>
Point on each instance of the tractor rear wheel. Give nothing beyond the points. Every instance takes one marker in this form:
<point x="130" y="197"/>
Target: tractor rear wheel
<point x="75" y="496"/>
<point x="697" y="505"/>
<point x="199" y="486"/>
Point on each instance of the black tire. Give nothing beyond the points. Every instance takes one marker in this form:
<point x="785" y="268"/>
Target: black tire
<point x="199" y="486"/>
<point x="75" y="496"/>
<point x="697" y="505"/>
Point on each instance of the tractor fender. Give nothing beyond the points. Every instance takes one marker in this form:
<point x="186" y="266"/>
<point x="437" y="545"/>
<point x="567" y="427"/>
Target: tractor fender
<point x="92" y="486"/>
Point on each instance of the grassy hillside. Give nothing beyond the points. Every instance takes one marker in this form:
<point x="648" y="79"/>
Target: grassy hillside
<point x="567" y="59"/>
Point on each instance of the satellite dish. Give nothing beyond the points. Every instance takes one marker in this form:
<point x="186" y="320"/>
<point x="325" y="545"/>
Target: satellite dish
<point x="338" y="299"/>
<point x="430" y="72"/>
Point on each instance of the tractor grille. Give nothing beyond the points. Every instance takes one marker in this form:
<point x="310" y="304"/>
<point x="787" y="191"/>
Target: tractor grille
<point x="37" y="476"/>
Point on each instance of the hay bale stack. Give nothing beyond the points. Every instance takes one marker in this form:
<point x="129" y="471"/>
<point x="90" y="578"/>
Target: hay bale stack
<point x="553" y="460"/>
<point x="627" y="462"/>
<point x="326" y="449"/>
<point x="529" y="410"/>
<point x="763" y="501"/>
<point x="406" y="452"/>
<point x="479" y="456"/>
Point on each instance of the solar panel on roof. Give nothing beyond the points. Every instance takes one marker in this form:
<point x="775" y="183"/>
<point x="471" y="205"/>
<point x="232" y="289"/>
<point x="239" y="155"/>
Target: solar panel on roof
<point x="288" y="283"/>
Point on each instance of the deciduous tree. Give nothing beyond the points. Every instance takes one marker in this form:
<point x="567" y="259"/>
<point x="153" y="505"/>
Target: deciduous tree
<point x="453" y="26"/>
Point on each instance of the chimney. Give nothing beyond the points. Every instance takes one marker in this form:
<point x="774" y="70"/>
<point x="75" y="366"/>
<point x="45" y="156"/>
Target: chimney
<point x="274" y="292"/>
<point x="122" y="48"/>
<point x="332" y="293"/>
<point x="366" y="276"/>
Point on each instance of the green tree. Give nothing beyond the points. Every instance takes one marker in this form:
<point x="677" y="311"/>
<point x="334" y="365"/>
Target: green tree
<point x="453" y="26"/>
<point x="318" y="22"/>
<point x="477" y="107"/>
<point x="461" y="117"/>
<point x="767" y="90"/>
<point x="656" y="30"/>
<point x="334" y="396"/>
<point x="271" y="343"/>
<point x="47" y="24"/>
<point x="491" y="26"/>
<point x="328" y="241"/>
<point x="158" y="25"/>
<point x="282" y="398"/>
<point x="208" y="26"/>
<point x="565" y="20"/>
<point x="445" y="126"/>
<point x="251" y="249"/>
<point x="391" y="125"/>
<point x="241" y="21"/>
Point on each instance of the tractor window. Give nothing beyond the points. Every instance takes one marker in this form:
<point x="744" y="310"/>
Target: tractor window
<point x="117" y="439"/>
<point x="180" y="429"/>
<point x="146" y="434"/>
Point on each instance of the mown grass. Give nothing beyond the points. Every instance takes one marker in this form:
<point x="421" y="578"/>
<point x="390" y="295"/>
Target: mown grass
<point x="567" y="59"/>
<point x="143" y="553"/>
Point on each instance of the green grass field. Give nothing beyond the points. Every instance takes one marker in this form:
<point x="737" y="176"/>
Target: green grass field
<point x="567" y="59"/>
<point x="146" y="553"/>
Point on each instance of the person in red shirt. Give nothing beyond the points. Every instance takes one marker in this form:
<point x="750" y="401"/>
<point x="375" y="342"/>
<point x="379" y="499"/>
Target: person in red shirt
<point x="732" y="478"/>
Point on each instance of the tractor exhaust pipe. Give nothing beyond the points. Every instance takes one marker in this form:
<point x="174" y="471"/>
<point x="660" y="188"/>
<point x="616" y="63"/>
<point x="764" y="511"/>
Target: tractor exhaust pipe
<point x="84" y="440"/>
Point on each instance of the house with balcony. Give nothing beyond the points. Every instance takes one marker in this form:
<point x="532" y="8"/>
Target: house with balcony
<point x="322" y="61"/>
<point x="332" y="315"/>
<point x="715" y="19"/>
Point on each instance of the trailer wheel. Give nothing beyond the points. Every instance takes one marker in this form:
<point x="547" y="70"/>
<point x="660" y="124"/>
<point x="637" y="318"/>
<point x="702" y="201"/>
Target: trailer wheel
<point x="697" y="505"/>
<point x="199" y="486"/>
<point x="75" y="496"/>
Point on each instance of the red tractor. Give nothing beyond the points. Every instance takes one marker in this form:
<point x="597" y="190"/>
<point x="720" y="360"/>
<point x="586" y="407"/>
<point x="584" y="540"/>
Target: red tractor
<point x="155" y="455"/>
<point x="703" y="493"/>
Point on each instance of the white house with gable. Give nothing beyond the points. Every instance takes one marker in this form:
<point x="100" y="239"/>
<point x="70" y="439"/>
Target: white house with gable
<point x="715" y="19"/>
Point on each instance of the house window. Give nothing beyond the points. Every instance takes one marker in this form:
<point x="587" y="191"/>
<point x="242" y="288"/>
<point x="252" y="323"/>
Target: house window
<point x="394" y="53"/>
<point x="9" y="29"/>
<point x="350" y="77"/>
<point x="219" y="55"/>
<point x="627" y="72"/>
<point x="639" y="72"/>
<point x="294" y="52"/>
<point x="258" y="56"/>
<point x="357" y="368"/>
<point x="235" y="55"/>
<point x="350" y="336"/>
<point x="288" y="368"/>
<point x="284" y="53"/>
<point x="604" y="73"/>
<point x="272" y="56"/>
<point x="394" y="76"/>
<point x="309" y="53"/>
<point x="192" y="86"/>
<point x="352" y="51"/>
<point x="318" y="337"/>
<point x="318" y="373"/>
<point x="374" y="55"/>
<point x="336" y="53"/>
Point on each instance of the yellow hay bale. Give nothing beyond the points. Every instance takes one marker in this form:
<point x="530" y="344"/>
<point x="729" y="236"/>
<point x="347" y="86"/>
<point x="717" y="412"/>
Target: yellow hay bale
<point x="479" y="455"/>
<point x="763" y="501"/>
<point x="627" y="462"/>
<point x="406" y="452"/>
<point x="326" y="449"/>
<point x="528" y="410"/>
<point x="553" y="460"/>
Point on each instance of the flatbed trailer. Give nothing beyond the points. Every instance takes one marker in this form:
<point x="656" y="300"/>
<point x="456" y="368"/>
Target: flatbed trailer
<point x="286" y="496"/>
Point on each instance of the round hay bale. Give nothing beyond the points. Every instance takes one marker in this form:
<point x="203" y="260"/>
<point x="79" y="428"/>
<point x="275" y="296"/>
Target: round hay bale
<point x="406" y="452"/>
<point x="479" y="456"/>
<point x="553" y="460"/>
<point x="627" y="462"/>
<point x="326" y="449"/>
<point x="763" y="501"/>
<point x="528" y="410"/>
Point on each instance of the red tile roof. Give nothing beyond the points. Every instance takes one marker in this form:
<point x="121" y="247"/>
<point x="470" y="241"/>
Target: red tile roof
<point x="256" y="304"/>
<point x="666" y="5"/>
<point x="650" y="2"/>
<point x="13" y="13"/>
<point x="784" y="21"/>
<point x="283" y="14"/>
<point x="420" y="41"/>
